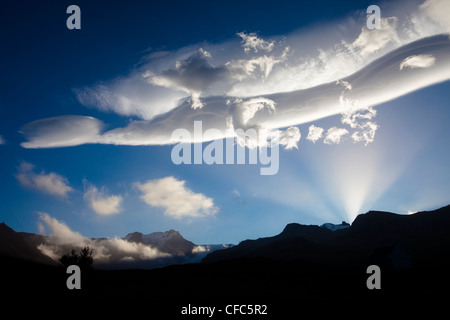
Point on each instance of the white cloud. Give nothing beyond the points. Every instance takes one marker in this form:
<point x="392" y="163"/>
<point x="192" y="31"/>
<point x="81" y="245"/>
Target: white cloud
<point x="289" y="137"/>
<point x="303" y="76"/>
<point x="129" y="96"/>
<point x="60" y="232"/>
<point x="193" y="75"/>
<point x="177" y="200"/>
<point x="314" y="133"/>
<point x="418" y="61"/>
<point x="245" y="110"/>
<point x="101" y="201"/>
<point x="334" y="135"/>
<point x="62" y="239"/>
<point x="251" y="41"/>
<point x="376" y="83"/>
<point x="2" y="141"/>
<point x="197" y="76"/>
<point x="61" y="131"/>
<point x="372" y="40"/>
<point x="199" y="249"/>
<point x="255" y="68"/>
<point x="51" y="183"/>
<point x="437" y="11"/>
<point x="359" y="119"/>
<point x="429" y="19"/>
<point x="366" y="133"/>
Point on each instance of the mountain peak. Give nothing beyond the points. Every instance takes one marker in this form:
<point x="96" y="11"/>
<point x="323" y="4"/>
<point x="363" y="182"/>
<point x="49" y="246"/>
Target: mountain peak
<point x="305" y="231"/>
<point x="373" y="219"/>
<point x="170" y="241"/>
<point x="4" y="226"/>
<point x="172" y="233"/>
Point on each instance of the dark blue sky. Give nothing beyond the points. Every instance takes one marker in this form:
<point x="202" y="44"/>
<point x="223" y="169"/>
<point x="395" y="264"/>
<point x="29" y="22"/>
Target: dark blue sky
<point x="43" y="64"/>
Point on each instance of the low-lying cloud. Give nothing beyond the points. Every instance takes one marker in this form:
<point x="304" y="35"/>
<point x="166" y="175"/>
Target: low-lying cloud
<point x="61" y="239"/>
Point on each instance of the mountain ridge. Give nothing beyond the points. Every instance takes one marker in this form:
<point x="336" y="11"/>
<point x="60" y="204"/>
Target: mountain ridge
<point x="13" y="244"/>
<point x="421" y="234"/>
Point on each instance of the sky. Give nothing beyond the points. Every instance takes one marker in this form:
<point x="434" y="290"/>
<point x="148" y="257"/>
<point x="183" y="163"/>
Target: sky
<point x="342" y="118"/>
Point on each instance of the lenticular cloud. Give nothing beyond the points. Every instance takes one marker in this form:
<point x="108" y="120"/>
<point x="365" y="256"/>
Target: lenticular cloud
<point x="266" y="84"/>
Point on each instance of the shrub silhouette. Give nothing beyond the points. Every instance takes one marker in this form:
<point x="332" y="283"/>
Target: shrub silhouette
<point x="84" y="259"/>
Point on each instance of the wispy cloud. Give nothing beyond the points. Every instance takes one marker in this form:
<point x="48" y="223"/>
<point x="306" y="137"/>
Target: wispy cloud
<point x="371" y="41"/>
<point x="289" y="138"/>
<point x="2" y="141"/>
<point x="429" y="18"/>
<point x="360" y="119"/>
<point x="51" y="183"/>
<point x="177" y="200"/>
<point x="193" y="75"/>
<point x="251" y="41"/>
<point x="418" y="61"/>
<point x="335" y="135"/>
<point x="314" y="133"/>
<point x="101" y="201"/>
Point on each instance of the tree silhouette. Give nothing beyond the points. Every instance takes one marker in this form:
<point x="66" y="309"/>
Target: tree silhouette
<point x="84" y="259"/>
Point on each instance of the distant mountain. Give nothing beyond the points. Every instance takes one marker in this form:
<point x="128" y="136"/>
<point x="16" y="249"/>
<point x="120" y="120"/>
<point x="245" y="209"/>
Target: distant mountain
<point x="171" y="241"/>
<point x="14" y="245"/>
<point x="425" y="236"/>
<point x="334" y="227"/>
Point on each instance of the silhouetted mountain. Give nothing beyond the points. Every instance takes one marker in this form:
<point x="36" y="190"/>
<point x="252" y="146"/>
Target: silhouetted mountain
<point x="302" y="269"/>
<point x="424" y="235"/>
<point x="171" y="241"/>
<point x="14" y="245"/>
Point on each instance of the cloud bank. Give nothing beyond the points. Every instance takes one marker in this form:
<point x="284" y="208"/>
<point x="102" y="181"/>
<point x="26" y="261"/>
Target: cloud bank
<point x="265" y="84"/>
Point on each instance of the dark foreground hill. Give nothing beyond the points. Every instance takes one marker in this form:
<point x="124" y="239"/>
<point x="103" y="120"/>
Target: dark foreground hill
<point x="302" y="271"/>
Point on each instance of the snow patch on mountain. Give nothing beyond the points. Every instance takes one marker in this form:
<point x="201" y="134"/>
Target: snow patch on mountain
<point x="334" y="227"/>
